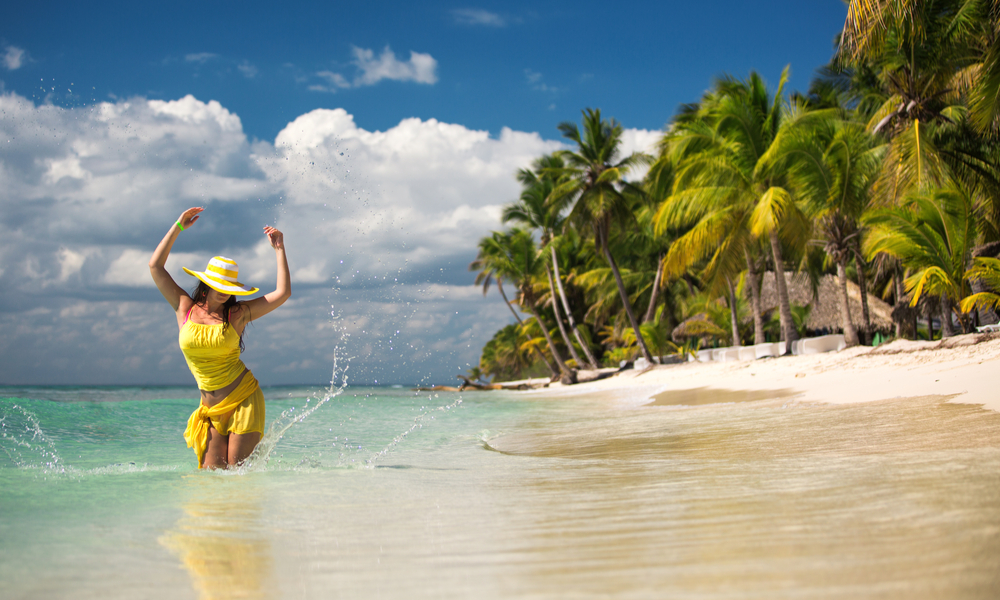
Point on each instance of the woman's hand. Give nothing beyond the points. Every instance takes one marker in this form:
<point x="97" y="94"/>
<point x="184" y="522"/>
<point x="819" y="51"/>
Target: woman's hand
<point x="157" y="263"/>
<point x="258" y="307"/>
<point x="274" y="236"/>
<point x="189" y="216"/>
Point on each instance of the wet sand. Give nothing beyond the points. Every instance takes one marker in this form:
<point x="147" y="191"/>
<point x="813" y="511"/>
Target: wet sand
<point x="859" y="474"/>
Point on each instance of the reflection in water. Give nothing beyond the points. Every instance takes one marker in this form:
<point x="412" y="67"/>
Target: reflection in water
<point x="220" y="541"/>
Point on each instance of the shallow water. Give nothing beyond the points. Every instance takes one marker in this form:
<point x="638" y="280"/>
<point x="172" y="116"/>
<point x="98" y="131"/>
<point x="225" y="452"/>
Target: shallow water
<point x="383" y="493"/>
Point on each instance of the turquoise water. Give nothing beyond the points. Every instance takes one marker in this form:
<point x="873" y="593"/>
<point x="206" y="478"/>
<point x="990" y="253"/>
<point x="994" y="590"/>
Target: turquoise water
<point x="387" y="493"/>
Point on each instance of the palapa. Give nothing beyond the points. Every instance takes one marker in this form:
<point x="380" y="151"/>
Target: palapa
<point x="825" y="313"/>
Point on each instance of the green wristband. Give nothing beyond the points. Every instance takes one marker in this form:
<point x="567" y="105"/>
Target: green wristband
<point x="181" y="227"/>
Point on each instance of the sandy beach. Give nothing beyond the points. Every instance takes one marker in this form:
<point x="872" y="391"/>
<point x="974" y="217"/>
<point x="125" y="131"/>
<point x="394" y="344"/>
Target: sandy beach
<point x="962" y="368"/>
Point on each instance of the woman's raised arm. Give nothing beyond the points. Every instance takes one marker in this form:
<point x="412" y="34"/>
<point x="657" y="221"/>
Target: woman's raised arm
<point x="157" y="264"/>
<point x="283" y="288"/>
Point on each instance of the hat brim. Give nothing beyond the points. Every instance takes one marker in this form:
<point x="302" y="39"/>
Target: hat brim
<point x="223" y="287"/>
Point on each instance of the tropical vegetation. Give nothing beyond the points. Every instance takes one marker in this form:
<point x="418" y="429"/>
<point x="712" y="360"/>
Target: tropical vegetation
<point x="883" y="177"/>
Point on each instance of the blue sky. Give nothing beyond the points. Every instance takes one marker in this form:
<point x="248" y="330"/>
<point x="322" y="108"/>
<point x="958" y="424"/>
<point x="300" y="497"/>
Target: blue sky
<point x="526" y="66"/>
<point x="382" y="138"/>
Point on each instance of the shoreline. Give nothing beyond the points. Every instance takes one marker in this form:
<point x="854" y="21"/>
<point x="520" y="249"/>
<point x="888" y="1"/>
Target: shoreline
<point x="962" y="368"/>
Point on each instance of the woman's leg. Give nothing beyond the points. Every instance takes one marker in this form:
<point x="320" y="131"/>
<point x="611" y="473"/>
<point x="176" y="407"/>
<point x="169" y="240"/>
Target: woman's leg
<point x="217" y="450"/>
<point x="241" y="445"/>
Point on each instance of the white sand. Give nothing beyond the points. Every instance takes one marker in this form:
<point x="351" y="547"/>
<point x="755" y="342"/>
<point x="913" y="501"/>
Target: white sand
<point x="967" y="370"/>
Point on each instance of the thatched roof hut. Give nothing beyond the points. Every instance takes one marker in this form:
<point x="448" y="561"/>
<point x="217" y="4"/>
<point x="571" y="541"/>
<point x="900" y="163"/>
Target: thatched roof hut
<point x="825" y="312"/>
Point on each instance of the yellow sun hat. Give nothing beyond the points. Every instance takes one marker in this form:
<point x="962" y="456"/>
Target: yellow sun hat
<point x="222" y="275"/>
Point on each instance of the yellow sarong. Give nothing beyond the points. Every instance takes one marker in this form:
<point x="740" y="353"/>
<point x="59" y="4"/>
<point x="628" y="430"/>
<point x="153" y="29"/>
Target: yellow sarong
<point x="246" y="403"/>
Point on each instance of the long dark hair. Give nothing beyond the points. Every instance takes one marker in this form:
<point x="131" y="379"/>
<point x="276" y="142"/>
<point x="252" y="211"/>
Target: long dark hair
<point x="200" y="295"/>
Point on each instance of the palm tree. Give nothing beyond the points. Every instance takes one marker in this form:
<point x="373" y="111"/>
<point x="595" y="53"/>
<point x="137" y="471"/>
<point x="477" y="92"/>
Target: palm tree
<point x="533" y="210"/>
<point x="595" y="186"/>
<point x="836" y="165"/>
<point x="932" y="48"/>
<point x="733" y="187"/>
<point x="985" y="270"/>
<point x="504" y="357"/>
<point x="487" y="262"/>
<point x="717" y="226"/>
<point x="924" y="53"/>
<point x="516" y="257"/>
<point x="493" y="263"/>
<point x="932" y="235"/>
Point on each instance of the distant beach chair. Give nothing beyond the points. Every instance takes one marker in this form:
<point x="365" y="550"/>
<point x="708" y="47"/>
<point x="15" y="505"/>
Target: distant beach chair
<point x="988" y="328"/>
<point x="766" y="350"/>
<point x="819" y="345"/>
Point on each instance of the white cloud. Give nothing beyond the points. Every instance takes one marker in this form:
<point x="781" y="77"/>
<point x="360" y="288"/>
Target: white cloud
<point x="421" y="68"/>
<point x="336" y="81"/>
<point x="200" y="57"/>
<point x="477" y="16"/>
<point x="247" y="69"/>
<point x="639" y="140"/>
<point x="537" y="83"/>
<point x="70" y="263"/>
<point x="379" y="224"/>
<point x="13" y="58"/>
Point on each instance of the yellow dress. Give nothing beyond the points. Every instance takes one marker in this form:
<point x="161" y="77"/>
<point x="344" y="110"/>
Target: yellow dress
<point x="212" y="353"/>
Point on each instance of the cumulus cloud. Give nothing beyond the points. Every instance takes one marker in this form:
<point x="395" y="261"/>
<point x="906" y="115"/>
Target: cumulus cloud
<point x="380" y="226"/>
<point x="14" y="58"/>
<point x="421" y="68"/>
<point x="478" y="16"/>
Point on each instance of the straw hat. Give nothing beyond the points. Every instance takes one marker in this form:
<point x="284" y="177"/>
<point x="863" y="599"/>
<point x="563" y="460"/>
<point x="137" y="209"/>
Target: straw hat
<point x="221" y="275"/>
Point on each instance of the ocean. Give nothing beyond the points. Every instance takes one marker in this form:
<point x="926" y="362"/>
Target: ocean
<point x="384" y="492"/>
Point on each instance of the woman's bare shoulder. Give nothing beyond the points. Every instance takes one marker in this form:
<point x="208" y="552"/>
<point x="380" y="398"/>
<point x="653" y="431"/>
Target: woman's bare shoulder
<point x="239" y="313"/>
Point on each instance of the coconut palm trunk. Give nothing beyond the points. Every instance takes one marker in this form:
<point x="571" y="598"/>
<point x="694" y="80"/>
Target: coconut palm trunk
<point x="569" y="314"/>
<point x="655" y="293"/>
<point x="567" y="374"/>
<point x="758" y="314"/>
<point x="930" y="321"/>
<point x="947" y="329"/>
<point x="601" y="233"/>
<point x="897" y="281"/>
<point x="908" y="330"/>
<point x="507" y="302"/>
<point x="559" y="321"/>
<point x="734" y="321"/>
<point x="850" y="333"/>
<point x="541" y="355"/>
<point x="788" y="332"/>
<point x="859" y="266"/>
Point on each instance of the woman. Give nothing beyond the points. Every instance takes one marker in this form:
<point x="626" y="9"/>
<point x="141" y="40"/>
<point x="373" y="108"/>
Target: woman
<point x="228" y="424"/>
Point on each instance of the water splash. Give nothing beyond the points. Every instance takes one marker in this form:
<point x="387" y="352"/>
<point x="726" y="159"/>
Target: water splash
<point x="417" y="424"/>
<point x="260" y="456"/>
<point x="24" y="442"/>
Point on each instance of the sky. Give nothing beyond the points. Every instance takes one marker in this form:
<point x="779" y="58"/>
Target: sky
<point x="382" y="138"/>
